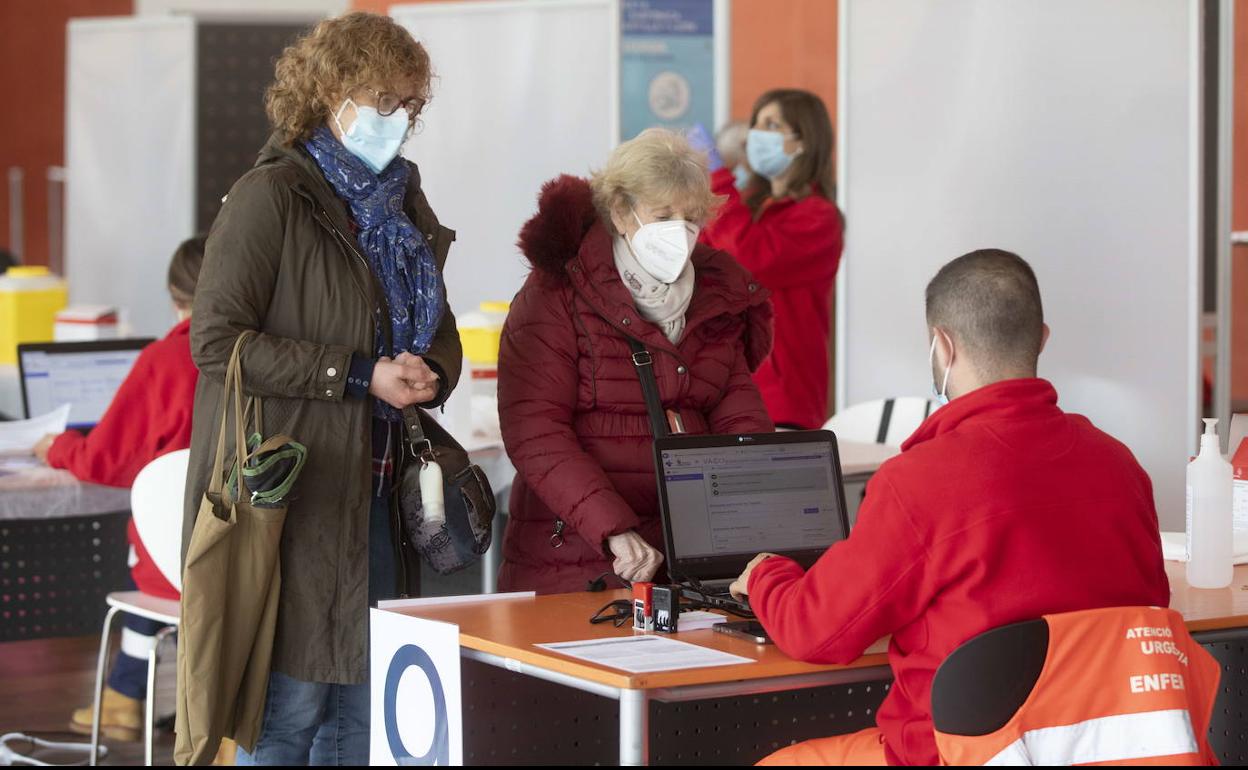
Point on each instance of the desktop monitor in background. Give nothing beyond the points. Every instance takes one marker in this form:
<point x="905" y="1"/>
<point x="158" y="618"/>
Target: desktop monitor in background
<point x="85" y="375"/>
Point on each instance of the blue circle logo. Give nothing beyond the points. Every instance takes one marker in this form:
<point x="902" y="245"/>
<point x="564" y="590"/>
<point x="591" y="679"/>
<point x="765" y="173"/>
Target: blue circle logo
<point x="439" y="751"/>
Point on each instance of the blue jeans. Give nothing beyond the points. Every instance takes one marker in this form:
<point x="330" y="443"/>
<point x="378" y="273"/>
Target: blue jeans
<point x="312" y="723"/>
<point x="318" y="723"/>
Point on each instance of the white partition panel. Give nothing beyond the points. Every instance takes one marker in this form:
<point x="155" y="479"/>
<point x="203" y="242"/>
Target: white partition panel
<point x="129" y="147"/>
<point x="1063" y="130"/>
<point x="524" y="91"/>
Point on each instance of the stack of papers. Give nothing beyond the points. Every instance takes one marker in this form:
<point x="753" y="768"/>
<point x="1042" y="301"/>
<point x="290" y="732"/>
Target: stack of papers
<point x="18" y="438"/>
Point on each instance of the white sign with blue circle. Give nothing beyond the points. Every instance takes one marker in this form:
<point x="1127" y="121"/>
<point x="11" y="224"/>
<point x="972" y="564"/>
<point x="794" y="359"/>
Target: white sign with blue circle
<point x="416" y="713"/>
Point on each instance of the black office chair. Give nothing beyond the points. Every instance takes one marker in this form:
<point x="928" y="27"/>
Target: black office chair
<point x="986" y="680"/>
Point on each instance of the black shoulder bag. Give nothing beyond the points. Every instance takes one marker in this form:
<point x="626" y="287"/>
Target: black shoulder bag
<point x="463" y="533"/>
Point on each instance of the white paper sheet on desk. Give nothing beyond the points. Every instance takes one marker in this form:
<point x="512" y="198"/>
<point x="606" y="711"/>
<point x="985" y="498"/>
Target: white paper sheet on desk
<point x="19" y="437"/>
<point x="1174" y="547"/>
<point x="644" y="654"/>
<point x="696" y="620"/>
<point x="394" y="605"/>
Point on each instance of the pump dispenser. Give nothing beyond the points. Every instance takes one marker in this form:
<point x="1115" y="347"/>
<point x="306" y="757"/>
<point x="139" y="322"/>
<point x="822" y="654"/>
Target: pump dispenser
<point x="1210" y="536"/>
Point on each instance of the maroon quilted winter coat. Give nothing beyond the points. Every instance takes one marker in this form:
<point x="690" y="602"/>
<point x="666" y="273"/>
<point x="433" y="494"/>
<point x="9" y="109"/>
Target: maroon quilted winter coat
<point x="573" y="417"/>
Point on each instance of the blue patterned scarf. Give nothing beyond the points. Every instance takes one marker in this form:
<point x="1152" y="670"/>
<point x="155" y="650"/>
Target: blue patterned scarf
<point x="399" y="255"/>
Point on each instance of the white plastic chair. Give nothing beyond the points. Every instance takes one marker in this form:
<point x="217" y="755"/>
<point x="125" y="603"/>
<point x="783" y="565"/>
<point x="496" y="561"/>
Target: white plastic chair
<point x="886" y="421"/>
<point x="10" y="756"/>
<point x="156" y="504"/>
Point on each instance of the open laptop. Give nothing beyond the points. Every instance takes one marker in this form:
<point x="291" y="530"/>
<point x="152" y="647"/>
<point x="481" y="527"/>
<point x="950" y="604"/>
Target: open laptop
<point x="725" y="499"/>
<point x="85" y="375"/>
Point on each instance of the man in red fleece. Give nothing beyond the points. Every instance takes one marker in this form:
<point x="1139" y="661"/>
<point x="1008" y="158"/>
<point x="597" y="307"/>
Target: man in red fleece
<point x="1001" y="508"/>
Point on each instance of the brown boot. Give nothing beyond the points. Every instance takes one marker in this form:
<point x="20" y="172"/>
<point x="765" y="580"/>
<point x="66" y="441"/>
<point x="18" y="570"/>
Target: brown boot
<point x="121" y="717"/>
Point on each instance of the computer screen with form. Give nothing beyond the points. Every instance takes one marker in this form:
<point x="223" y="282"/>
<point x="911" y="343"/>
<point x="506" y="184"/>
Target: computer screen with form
<point x="86" y="380"/>
<point x="747" y="499"/>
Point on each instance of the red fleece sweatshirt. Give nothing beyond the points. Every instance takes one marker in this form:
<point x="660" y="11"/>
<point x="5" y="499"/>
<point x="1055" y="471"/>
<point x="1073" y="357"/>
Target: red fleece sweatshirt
<point x="150" y="416"/>
<point x="1001" y="508"/>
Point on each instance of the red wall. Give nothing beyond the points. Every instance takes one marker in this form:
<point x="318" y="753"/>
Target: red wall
<point x="32" y="82"/>
<point x="772" y="48"/>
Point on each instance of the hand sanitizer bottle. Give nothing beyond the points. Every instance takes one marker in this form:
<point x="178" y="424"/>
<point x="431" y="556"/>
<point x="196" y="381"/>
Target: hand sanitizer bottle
<point x="1209" y="530"/>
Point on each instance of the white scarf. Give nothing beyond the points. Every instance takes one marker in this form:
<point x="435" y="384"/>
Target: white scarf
<point x="660" y="303"/>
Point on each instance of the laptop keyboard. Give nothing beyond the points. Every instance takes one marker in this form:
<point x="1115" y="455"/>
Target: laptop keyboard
<point x="716" y="595"/>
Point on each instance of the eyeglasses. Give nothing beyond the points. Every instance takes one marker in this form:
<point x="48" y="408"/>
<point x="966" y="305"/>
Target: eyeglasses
<point x="618" y="612"/>
<point x="388" y="103"/>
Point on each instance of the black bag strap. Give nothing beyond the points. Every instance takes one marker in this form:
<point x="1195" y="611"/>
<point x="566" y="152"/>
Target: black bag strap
<point x="643" y="362"/>
<point x="886" y="420"/>
<point x="419" y="444"/>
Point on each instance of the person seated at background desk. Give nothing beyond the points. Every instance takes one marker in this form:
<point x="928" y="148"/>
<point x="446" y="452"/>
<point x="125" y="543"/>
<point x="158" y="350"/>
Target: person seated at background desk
<point x="150" y="416"/>
<point x="1001" y="508"/>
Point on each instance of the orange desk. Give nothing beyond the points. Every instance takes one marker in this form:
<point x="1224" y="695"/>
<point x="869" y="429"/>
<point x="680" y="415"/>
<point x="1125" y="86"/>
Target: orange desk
<point x="503" y="633"/>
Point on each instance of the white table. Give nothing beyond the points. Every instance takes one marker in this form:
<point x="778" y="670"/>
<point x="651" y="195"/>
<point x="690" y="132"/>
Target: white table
<point x="44" y="493"/>
<point x="10" y="392"/>
<point x="858" y="459"/>
<point x="64" y="549"/>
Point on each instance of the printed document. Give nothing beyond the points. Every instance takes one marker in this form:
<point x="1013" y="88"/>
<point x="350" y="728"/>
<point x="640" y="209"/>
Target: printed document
<point x="644" y="654"/>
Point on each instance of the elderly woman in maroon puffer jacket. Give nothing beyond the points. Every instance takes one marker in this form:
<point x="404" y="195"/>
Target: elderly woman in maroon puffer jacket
<point x="617" y="258"/>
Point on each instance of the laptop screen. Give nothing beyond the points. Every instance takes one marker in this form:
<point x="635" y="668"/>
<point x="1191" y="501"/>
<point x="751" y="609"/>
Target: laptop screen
<point x="728" y="503"/>
<point x="84" y="375"/>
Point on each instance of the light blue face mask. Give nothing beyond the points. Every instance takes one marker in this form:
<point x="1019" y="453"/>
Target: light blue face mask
<point x="942" y="395"/>
<point x="373" y="138"/>
<point x="765" y="151"/>
<point x="741" y="176"/>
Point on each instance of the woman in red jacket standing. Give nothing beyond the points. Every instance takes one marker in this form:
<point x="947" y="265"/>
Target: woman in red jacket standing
<point x="784" y="227"/>
<point x="149" y="416"/>
<point x="617" y="258"/>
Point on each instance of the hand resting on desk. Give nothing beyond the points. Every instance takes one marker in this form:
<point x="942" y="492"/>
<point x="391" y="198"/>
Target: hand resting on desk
<point x="41" y="449"/>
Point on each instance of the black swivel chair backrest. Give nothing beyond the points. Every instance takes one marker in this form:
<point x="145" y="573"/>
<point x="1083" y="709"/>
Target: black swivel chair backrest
<point x="984" y="682"/>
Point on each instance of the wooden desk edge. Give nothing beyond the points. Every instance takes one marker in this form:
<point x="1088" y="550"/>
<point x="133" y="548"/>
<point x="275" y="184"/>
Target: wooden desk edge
<point x="553" y="661"/>
<point x="1217" y="624"/>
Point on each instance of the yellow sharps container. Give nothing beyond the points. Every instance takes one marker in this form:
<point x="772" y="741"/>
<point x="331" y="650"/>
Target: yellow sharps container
<point x="480" y="332"/>
<point x="30" y="298"/>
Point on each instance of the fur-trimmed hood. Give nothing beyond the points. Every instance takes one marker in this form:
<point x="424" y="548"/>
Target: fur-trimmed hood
<point x="565" y="215"/>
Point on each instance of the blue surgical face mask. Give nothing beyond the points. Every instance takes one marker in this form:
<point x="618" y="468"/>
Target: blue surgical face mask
<point x="942" y="395"/>
<point x="765" y="151"/>
<point x="373" y="138"/>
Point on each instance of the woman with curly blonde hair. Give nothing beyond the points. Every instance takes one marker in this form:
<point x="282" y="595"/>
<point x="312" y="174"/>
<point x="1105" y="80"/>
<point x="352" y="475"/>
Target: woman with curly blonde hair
<point x="329" y="250"/>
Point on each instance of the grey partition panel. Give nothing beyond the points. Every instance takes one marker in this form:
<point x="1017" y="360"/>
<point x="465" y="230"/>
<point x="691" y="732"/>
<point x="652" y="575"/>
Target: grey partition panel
<point x="55" y="573"/>
<point x="234" y="67"/>
<point x="1065" y="131"/>
<point x="514" y="719"/>
<point x="742" y="730"/>
<point x="1228" y="725"/>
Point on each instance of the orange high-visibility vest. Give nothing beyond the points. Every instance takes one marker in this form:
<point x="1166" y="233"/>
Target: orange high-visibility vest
<point x="1126" y="685"/>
